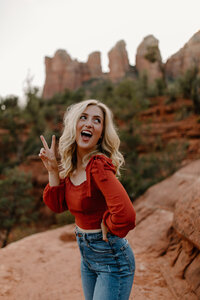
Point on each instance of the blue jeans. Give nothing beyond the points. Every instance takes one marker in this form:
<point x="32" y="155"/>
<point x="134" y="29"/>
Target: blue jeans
<point x="107" y="268"/>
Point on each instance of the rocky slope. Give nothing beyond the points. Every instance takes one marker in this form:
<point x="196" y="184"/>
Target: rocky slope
<point x="164" y="123"/>
<point x="166" y="243"/>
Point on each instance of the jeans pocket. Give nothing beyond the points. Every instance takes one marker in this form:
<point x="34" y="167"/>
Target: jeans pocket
<point x="113" y="238"/>
<point x="100" y="246"/>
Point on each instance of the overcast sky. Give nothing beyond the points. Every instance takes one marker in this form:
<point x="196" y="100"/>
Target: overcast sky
<point x="33" y="29"/>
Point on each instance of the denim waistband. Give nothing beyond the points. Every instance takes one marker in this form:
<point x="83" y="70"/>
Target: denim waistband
<point x="89" y="230"/>
<point x="91" y="236"/>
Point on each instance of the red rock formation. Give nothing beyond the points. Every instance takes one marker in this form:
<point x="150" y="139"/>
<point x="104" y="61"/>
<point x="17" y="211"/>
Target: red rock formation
<point x="64" y="73"/>
<point x="55" y="70"/>
<point x="168" y="124"/>
<point x="94" y="64"/>
<point x="148" y="58"/>
<point x="118" y="61"/>
<point x="179" y="252"/>
<point x="186" y="58"/>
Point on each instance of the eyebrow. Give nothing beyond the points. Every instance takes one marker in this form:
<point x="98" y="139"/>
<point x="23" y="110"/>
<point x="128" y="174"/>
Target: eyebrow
<point x="95" y="116"/>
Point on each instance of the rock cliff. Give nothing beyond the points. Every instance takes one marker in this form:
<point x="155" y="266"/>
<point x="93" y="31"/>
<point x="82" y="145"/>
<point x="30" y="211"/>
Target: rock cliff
<point x="179" y="252"/>
<point x="186" y="58"/>
<point x="64" y="73"/>
<point x="166" y="243"/>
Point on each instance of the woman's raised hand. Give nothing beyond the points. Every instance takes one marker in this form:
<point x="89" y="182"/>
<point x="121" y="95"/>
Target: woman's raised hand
<point x="48" y="155"/>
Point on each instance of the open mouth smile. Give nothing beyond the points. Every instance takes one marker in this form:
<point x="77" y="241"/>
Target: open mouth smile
<point x="86" y="134"/>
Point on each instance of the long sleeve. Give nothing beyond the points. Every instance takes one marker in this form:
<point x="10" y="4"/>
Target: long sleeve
<point x="120" y="215"/>
<point x="54" y="197"/>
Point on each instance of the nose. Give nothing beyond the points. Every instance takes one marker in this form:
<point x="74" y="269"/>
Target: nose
<point x="89" y="123"/>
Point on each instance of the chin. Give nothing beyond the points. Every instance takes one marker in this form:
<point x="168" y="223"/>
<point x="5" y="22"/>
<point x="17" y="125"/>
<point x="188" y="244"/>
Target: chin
<point x="87" y="148"/>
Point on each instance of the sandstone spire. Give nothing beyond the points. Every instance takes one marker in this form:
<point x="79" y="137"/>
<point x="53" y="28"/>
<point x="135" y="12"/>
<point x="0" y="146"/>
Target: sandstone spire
<point x="94" y="64"/>
<point x="148" y="58"/>
<point x="55" y="70"/>
<point x="118" y="61"/>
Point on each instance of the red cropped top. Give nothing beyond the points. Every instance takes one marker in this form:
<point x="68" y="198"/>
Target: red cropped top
<point x="100" y="197"/>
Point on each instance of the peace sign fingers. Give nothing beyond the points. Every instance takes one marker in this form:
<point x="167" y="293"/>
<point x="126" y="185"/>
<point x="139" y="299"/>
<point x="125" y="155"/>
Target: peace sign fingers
<point x="48" y="155"/>
<point x="53" y="143"/>
<point x="46" y="147"/>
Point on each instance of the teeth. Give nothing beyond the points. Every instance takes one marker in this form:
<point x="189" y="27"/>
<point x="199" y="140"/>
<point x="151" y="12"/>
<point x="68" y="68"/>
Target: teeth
<point x="85" y="132"/>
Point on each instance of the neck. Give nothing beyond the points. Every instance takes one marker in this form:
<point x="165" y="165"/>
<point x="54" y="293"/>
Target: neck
<point x="80" y="155"/>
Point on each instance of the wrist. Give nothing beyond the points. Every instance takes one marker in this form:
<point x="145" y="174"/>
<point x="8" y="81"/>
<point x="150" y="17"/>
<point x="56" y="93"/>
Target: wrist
<point x="54" y="179"/>
<point x="53" y="172"/>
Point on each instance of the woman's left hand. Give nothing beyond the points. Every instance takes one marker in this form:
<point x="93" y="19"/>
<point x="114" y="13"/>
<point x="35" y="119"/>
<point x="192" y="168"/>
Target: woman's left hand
<point x="104" y="231"/>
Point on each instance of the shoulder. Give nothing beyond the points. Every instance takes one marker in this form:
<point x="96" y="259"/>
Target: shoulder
<point x="100" y="164"/>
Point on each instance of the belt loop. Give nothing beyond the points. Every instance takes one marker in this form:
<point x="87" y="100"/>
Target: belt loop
<point x="85" y="239"/>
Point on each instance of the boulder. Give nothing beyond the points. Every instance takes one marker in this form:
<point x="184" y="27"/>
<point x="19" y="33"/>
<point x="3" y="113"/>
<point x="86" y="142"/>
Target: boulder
<point x="187" y="214"/>
<point x="148" y="59"/>
<point x="179" y="249"/>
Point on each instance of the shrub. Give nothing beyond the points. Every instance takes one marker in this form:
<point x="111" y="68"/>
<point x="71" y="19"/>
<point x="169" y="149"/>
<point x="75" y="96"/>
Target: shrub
<point x="16" y="202"/>
<point x="172" y="92"/>
<point x="182" y="113"/>
<point x="186" y="82"/>
<point x="152" y="54"/>
<point x="64" y="218"/>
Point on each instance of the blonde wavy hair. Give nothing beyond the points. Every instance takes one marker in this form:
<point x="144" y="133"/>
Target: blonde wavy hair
<point x="109" y="145"/>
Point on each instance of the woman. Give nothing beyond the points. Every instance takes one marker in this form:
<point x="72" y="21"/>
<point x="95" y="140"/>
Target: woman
<point x="88" y="187"/>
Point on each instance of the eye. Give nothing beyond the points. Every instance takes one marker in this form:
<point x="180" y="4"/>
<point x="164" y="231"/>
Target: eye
<point x="97" y="120"/>
<point x="82" y="117"/>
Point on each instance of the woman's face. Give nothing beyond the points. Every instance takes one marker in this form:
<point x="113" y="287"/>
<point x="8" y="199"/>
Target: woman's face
<point x="89" y="129"/>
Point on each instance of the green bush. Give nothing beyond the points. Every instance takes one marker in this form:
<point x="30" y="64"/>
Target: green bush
<point x="172" y="92"/>
<point x="160" y="86"/>
<point x="16" y="202"/>
<point x="183" y="113"/>
<point x="64" y="218"/>
<point x="152" y="54"/>
<point x="186" y="82"/>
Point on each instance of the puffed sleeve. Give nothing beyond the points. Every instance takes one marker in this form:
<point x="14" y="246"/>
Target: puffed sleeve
<point x="120" y="215"/>
<point x="54" y="197"/>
